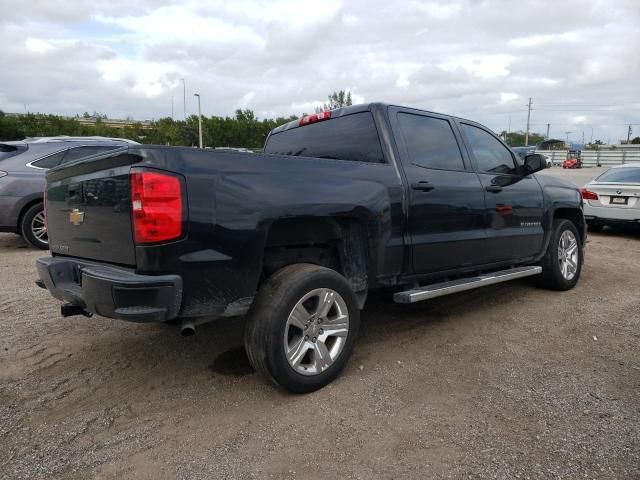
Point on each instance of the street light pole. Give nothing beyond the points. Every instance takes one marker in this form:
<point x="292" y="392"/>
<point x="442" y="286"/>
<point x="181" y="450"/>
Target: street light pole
<point x="199" y="120"/>
<point x="184" y="97"/>
<point x="526" y="135"/>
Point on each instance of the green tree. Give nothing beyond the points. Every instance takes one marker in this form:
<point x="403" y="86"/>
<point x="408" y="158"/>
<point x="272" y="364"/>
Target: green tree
<point x="635" y="140"/>
<point x="336" y="100"/>
<point x="516" y="139"/>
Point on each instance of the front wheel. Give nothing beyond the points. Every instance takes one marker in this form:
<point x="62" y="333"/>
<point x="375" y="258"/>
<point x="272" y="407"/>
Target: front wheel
<point x="562" y="264"/>
<point x="302" y="327"/>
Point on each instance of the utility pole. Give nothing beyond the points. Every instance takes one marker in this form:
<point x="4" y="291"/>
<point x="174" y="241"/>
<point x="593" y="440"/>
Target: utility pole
<point x="199" y="120"/>
<point x="629" y="135"/>
<point x="184" y="97"/>
<point x="526" y="135"/>
<point x="548" y="127"/>
<point x="171" y="107"/>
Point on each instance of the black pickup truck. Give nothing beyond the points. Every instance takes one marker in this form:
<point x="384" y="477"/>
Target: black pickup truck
<point x="341" y="202"/>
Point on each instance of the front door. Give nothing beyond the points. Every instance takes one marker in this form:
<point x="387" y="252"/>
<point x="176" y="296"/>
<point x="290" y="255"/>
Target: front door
<point x="514" y="203"/>
<point x="446" y="201"/>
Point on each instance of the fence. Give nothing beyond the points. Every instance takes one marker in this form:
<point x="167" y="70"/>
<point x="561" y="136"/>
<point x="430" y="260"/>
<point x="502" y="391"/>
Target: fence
<point x="593" y="158"/>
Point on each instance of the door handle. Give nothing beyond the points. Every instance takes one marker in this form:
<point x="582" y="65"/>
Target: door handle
<point x="493" y="189"/>
<point x="422" y="186"/>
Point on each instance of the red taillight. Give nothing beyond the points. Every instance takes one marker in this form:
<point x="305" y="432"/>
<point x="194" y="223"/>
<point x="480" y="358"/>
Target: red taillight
<point x="588" y="195"/>
<point x="156" y="207"/>
<point x="316" y="117"/>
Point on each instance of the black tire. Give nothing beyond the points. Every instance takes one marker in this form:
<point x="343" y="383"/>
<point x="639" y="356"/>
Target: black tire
<point x="594" y="226"/>
<point x="267" y="324"/>
<point x="552" y="276"/>
<point x="29" y="221"/>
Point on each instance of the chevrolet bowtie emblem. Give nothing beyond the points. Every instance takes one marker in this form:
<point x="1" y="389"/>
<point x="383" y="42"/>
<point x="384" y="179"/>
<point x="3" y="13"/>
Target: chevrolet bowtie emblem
<point x="76" y="216"/>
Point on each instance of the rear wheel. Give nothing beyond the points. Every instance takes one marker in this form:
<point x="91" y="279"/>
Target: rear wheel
<point x="302" y="327"/>
<point x="562" y="264"/>
<point x="34" y="227"/>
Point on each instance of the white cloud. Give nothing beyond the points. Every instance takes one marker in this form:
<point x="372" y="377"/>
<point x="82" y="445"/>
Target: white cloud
<point x="37" y="45"/>
<point x="476" y="59"/>
<point x="506" y="97"/>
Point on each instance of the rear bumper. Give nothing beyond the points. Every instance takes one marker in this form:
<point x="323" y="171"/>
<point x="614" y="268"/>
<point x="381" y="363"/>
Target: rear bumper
<point x="611" y="213"/>
<point x="111" y="291"/>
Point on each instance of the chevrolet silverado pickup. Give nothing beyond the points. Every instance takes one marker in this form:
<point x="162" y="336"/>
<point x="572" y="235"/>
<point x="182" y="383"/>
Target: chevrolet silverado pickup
<point x="340" y="203"/>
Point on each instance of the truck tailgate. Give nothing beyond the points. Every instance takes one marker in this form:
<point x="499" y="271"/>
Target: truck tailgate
<point x="89" y="209"/>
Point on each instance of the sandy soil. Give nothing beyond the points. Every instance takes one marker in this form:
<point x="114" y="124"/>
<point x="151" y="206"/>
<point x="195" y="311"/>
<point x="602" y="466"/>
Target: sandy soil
<point x="505" y="382"/>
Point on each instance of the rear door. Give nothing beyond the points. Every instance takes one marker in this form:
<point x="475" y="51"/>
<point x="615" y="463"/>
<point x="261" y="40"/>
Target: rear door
<point x="89" y="209"/>
<point x="446" y="202"/>
<point x="513" y="202"/>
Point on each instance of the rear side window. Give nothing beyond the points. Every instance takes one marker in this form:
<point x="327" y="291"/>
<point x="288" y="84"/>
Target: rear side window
<point x="352" y="137"/>
<point x="621" y="175"/>
<point x="491" y="155"/>
<point x="50" y="161"/>
<point x="81" y="152"/>
<point x="430" y="142"/>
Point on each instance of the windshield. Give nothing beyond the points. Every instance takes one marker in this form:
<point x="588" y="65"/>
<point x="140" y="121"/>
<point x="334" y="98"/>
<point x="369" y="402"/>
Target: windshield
<point x="621" y="175"/>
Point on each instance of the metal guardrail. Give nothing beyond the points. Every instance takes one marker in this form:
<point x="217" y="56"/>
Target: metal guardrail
<point x="594" y="158"/>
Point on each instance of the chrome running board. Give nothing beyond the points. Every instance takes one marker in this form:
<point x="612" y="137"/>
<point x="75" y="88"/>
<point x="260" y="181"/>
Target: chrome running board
<point x="463" y="284"/>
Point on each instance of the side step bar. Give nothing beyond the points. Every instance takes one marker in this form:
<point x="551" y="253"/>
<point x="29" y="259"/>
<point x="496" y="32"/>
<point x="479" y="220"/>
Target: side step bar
<point x="463" y="284"/>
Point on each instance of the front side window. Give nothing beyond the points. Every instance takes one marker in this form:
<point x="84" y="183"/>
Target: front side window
<point x="491" y="155"/>
<point x="351" y="137"/>
<point x="430" y="142"/>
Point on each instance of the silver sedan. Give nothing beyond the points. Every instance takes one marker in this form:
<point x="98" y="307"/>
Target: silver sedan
<point x="613" y="198"/>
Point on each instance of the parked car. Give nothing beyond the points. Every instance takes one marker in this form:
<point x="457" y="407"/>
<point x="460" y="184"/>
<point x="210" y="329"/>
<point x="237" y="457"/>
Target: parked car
<point x="522" y="152"/>
<point x="341" y="202"/>
<point x="22" y="178"/>
<point x="613" y="198"/>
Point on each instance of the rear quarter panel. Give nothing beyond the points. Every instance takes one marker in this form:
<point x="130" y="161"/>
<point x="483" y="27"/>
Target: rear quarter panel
<point x="233" y="199"/>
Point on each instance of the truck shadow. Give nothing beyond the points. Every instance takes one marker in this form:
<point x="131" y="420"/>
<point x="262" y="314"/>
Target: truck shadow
<point x="380" y="319"/>
<point x="10" y="241"/>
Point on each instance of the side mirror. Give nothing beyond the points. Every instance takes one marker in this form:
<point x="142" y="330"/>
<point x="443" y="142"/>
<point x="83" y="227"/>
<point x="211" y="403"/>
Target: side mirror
<point x="534" y="162"/>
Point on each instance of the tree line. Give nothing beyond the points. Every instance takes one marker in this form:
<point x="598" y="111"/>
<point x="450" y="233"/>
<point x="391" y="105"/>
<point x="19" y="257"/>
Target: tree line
<point x="242" y="130"/>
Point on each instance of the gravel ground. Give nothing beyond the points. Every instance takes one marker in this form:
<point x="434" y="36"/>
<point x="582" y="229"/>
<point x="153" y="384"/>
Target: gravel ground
<point x="506" y="382"/>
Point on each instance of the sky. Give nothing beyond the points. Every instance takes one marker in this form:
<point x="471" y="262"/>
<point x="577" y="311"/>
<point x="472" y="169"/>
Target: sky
<point x="579" y="61"/>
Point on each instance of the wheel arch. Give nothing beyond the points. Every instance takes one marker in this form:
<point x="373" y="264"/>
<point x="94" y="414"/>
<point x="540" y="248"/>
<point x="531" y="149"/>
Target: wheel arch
<point x="23" y="210"/>
<point x="575" y="216"/>
<point x="339" y="243"/>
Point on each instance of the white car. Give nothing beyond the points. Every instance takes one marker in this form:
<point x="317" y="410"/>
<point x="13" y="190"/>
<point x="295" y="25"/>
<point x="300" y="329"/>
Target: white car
<point x="613" y="198"/>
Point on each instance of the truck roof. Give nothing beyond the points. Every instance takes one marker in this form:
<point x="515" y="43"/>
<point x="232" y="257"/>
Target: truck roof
<point x="363" y="107"/>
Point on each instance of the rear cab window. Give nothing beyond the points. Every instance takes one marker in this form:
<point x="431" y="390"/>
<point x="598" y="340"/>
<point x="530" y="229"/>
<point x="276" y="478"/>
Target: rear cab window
<point x="351" y="137"/>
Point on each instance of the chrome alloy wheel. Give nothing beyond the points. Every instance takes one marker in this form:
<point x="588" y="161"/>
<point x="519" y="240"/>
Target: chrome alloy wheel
<point x="568" y="255"/>
<point x="316" y="331"/>
<point x="39" y="228"/>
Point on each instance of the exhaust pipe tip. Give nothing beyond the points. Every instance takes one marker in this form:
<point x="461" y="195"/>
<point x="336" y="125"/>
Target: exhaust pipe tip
<point x="188" y="328"/>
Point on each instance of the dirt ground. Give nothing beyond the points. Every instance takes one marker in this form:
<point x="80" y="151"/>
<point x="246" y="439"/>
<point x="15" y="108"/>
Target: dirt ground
<point x="506" y="382"/>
